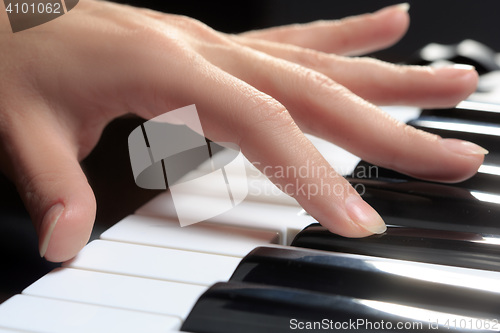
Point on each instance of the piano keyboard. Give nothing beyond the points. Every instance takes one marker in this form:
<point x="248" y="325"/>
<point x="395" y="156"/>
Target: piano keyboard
<point x="147" y="274"/>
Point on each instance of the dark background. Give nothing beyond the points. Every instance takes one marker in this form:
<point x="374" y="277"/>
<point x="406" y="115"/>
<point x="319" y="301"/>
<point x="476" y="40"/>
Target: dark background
<point x="440" y="21"/>
<point x="108" y="167"/>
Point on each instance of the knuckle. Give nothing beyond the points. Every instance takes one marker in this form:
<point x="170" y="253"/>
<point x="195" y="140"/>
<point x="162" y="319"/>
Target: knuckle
<point x="181" y="34"/>
<point x="263" y="117"/>
<point x="315" y="59"/>
<point x="318" y="85"/>
<point x="189" y="23"/>
<point x="317" y="80"/>
<point x="198" y="32"/>
<point x="265" y="111"/>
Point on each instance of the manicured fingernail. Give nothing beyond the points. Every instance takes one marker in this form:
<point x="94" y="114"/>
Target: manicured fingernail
<point x="463" y="147"/>
<point x="364" y="215"/>
<point x="48" y="224"/>
<point x="454" y="71"/>
<point x="404" y="7"/>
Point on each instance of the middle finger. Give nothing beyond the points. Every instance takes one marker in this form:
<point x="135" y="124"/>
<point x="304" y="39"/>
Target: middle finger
<point x="380" y="82"/>
<point x="324" y="108"/>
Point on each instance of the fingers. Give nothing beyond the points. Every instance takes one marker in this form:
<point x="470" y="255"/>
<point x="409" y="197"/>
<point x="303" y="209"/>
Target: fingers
<point x="231" y="110"/>
<point x="380" y="82"/>
<point x="322" y="107"/>
<point x="42" y="162"/>
<point x="350" y="36"/>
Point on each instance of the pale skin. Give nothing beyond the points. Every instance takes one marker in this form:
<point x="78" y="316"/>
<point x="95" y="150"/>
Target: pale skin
<point x="62" y="82"/>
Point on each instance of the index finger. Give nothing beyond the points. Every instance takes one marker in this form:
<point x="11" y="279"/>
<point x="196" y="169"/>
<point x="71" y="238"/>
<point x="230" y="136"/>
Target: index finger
<point x="232" y="110"/>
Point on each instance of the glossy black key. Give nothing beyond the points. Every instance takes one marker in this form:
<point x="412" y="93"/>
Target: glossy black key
<point x="484" y="134"/>
<point x="460" y="249"/>
<point x="487" y="178"/>
<point x="432" y="206"/>
<point x="250" y="308"/>
<point x="467" y="110"/>
<point x="385" y="280"/>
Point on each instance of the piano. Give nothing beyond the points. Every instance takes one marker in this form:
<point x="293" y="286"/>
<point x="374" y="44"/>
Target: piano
<point x="266" y="266"/>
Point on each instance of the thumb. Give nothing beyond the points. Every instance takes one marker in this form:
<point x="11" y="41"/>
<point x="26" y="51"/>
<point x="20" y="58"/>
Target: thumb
<point x="40" y="157"/>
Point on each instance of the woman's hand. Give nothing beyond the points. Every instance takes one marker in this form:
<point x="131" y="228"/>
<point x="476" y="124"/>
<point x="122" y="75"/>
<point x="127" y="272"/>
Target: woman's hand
<point x="62" y="82"/>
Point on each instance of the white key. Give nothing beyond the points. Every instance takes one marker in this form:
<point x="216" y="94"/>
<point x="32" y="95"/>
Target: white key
<point x="118" y="291"/>
<point x="489" y="86"/>
<point x="402" y="113"/>
<point x="201" y="237"/>
<point x="254" y="184"/>
<point x="154" y="262"/>
<point x="256" y="187"/>
<point x="341" y="160"/>
<point x="282" y="219"/>
<point x="39" y="314"/>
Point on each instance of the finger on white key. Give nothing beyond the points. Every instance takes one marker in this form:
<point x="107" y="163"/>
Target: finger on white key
<point x="117" y="291"/>
<point x="251" y="185"/>
<point x="284" y="220"/>
<point x="201" y="237"/>
<point x="154" y="262"/>
<point x="37" y="314"/>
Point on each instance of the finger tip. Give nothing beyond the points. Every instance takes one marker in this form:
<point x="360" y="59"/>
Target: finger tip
<point x="466" y="85"/>
<point x="68" y="238"/>
<point x="453" y="168"/>
<point x="465" y="158"/>
<point x="357" y="220"/>
<point x="71" y="231"/>
<point x="466" y="170"/>
<point x="456" y="83"/>
<point x="364" y="215"/>
<point x="350" y="229"/>
<point x="397" y="19"/>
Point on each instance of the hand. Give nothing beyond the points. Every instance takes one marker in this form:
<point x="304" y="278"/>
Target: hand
<point x="62" y="82"/>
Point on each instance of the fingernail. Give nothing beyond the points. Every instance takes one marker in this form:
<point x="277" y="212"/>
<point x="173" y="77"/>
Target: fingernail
<point x="404" y="7"/>
<point x="48" y="224"/>
<point x="463" y="147"/>
<point x="454" y="71"/>
<point x="364" y="215"/>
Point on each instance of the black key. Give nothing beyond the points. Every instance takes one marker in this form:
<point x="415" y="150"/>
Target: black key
<point x="484" y="134"/>
<point x="468" y="52"/>
<point x="432" y="206"/>
<point x="460" y="249"/>
<point x="250" y="308"/>
<point x="487" y="178"/>
<point x="468" y="110"/>
<point x="385" y="280"/>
